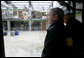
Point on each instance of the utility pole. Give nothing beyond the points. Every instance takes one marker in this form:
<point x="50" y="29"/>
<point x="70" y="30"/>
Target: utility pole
<point x="30" y="10"/>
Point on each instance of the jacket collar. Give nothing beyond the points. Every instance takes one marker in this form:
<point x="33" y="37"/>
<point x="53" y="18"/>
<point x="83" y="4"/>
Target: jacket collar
<point x="51" y="26"/>
<point x="55" y="23"/>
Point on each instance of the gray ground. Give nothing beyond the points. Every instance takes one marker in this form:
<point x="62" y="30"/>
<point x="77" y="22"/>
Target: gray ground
<point x="27" y="44"/>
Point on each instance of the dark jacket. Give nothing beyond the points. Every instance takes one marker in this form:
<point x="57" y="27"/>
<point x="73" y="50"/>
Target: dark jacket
<point x="74" y="30"/>
<point x="55" y="41"/>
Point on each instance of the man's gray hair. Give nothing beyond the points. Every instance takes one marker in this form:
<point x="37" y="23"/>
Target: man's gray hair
<point x="58" y="11"/>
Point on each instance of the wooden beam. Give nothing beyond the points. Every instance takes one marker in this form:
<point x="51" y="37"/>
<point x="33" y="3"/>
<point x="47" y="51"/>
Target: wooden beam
<point x="74" y="8"/>
<point x="65" y="4"/>
<point x="83" y="14"/>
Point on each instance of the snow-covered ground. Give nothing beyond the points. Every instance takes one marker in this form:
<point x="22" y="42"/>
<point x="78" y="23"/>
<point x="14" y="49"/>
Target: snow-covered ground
<point x="27" y="44"/>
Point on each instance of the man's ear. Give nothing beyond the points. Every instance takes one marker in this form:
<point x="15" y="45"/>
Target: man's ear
<point x="56" y="16"/>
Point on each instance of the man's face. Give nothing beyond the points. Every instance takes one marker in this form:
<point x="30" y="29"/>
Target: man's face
<point x="50" y="17"/>
<point x="66" y="18"/>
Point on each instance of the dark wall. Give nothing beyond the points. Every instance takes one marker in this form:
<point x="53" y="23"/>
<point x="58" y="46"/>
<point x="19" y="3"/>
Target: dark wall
<point x="2" y="50"/>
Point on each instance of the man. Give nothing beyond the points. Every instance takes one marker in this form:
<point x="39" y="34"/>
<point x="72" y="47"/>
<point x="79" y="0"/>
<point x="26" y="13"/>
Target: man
<point x="74" y="38"/>
<point x="55" y="39"/>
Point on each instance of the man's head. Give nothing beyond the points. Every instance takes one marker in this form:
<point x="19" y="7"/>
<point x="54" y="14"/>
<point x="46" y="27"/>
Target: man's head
<point x="55" y="14"/>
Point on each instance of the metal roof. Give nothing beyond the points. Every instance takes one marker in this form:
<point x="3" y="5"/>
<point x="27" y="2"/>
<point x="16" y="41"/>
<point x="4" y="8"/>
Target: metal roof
<point x="36" y="5"/>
